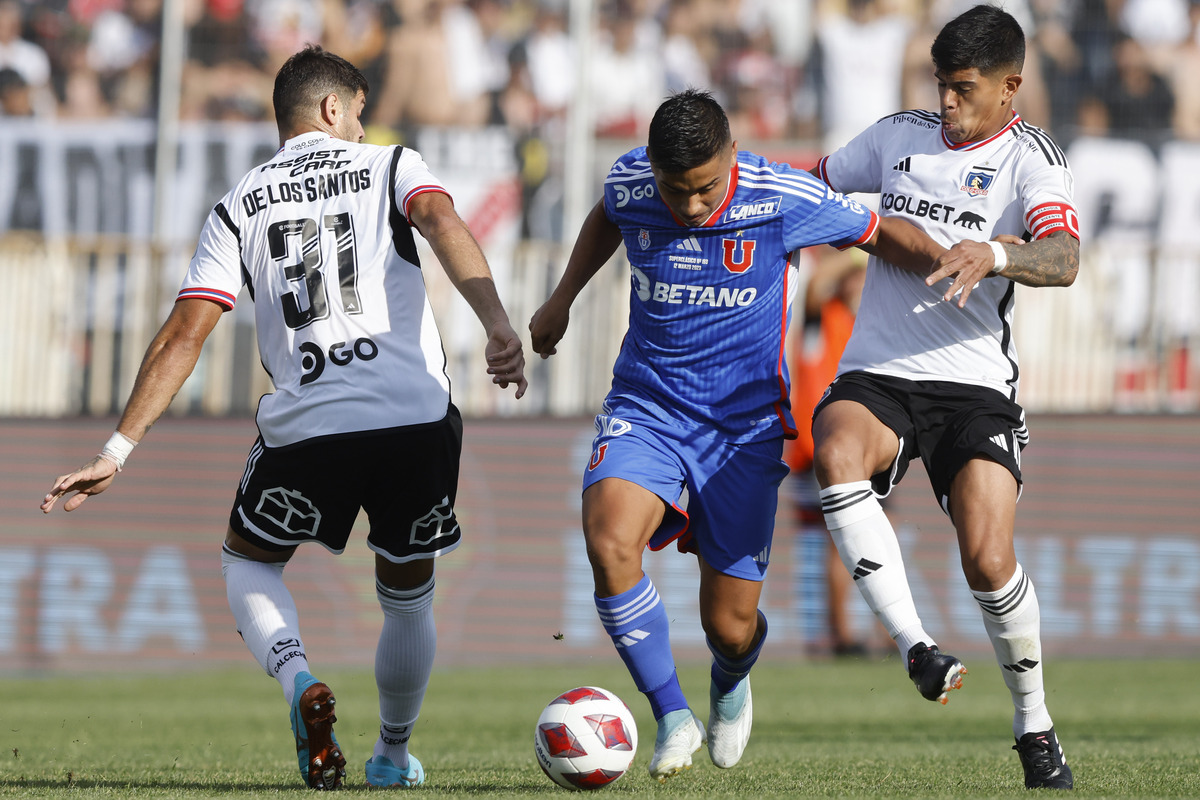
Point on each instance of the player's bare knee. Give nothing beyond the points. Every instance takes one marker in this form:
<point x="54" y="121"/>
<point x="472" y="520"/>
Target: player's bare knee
<point x="987" y="572"/>
<point x="616" y="564"/>
<point x="839" y="459"/>
<point x="732" y="633"/>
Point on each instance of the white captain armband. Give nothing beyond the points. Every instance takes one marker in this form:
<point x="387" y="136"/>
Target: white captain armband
<point x="117" y="449"/>
<point x="1000" y="254"/>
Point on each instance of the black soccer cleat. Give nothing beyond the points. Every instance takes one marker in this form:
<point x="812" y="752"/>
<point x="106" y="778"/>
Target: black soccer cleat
<point x="934" y="672"/>
<point x="1043" y="761"/>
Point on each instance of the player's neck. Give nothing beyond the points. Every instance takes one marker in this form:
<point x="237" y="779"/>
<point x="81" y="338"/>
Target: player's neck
<point x="1002" y="121"/>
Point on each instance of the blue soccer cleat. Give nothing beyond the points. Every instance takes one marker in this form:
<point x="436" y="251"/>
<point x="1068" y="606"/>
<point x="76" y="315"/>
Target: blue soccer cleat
<point x="730" y="718"/>
<point x="680" y="733"/>
<point x="383" y="774"/>
<point x="322" y="764"/>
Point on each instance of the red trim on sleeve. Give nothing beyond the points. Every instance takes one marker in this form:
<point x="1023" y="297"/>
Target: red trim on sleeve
<point x="408" y="198"/>
<point x="821" y="173"/>
<point x="784" y="395"/>
<point x="872" y="226"/>
<point x="223" y="299"/>
<point x="1050" y="217"/>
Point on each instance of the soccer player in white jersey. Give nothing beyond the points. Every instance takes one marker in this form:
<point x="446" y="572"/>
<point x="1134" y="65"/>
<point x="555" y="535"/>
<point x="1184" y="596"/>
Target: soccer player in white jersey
<point x="321" y="237"/>
<point x="699" y="398"/>
<point x="930" y="368"/>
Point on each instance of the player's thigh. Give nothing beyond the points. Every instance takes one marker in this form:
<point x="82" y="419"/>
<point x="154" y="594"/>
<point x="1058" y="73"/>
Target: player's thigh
<point x="620" y="514"/>
<point x="862" y="431"/>
<point x="957" y="424"/>
<point x="733" y="494"/>
<point x="296" y="494"/>
<point x="414" y="518"/>
<point x="632" y="484"/>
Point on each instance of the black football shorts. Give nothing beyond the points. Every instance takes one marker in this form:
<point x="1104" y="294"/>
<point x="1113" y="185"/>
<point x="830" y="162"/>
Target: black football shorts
<point x="947" y="424"/>
<point x="405" y="479"/>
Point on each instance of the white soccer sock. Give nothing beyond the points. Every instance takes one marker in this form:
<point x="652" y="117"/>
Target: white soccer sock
<point x="868" y="546"/>
<point x="266" y="617"/>
<point x="1013" y="622"/>
<point x="403" y="663"/>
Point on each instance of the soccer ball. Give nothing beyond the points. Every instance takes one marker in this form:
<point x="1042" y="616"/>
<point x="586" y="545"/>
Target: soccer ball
<point x="585" y="738"/>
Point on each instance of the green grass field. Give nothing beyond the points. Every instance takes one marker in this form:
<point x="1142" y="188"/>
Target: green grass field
<point x="822" y="729"/>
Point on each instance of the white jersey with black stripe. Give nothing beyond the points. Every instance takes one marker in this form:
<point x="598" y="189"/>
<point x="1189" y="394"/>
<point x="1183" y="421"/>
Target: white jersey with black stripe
<point x="1016" y="182"/>
<point x="319" y="235"/>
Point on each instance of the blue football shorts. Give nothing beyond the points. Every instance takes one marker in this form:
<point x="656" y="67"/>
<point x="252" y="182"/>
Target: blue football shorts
<point x="732" y="489"/>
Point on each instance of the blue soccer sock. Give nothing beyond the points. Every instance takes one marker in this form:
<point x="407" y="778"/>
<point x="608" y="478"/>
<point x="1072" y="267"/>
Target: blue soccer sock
<point x="727" y="672"/>
<point x="636" y="620"/>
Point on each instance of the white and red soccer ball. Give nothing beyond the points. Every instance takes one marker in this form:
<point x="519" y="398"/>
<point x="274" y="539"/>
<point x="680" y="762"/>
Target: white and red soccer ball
<point x="585" y="738"/>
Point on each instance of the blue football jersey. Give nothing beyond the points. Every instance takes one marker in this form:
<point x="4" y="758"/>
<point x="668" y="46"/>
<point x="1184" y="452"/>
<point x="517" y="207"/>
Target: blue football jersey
<point x="710" y="305"/>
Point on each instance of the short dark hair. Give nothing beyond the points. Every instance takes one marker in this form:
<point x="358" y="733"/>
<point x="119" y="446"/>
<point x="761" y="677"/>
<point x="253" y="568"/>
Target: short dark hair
<point x="11" y="79"/>
<point x="689" y="129"/>
<point x="985" y="37"/>
<point x="307" y="78"/>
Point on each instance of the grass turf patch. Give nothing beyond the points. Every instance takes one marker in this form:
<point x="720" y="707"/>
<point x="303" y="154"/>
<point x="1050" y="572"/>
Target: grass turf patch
<point x="821" y="729"/>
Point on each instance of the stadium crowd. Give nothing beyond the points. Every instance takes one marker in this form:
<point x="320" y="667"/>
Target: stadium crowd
<point x="802" y="69"/>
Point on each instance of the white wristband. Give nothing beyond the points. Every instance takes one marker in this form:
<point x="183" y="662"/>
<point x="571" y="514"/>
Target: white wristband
<point x="1001" y="256"/>
<point x="117" y="449"/>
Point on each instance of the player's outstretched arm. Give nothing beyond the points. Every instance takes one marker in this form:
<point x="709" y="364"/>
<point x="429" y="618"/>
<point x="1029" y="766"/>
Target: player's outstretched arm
<point x="903" y="244"/>
<point x="1051" y="261"/>
<point x="168" y="362"/>
<point x="461" y="257"/>
<point x="598" y="239"/>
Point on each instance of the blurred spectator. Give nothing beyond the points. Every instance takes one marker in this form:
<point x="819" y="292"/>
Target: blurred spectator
<point x="1139" y="102"/>
<point x="28" y="59"/>
<point x="1184" y="78"/>
<point x="516" y="105"/>
<point x="627" y="81"/>
<point x="759" y="90"/>
<point x="789" y="26"/>
<point x="15" y="98"/>
<point x="81" y="94"/>
<point x="551" y="58"/>
<point x="436" y="69"/>
<point x="1159" y="26"/>
<point x="829" y="304"/>
<point x="1091" y="117"/>
<point x="358" y="31"/>
<point x="1062" y="63"/>
<point x="124" y="51"/>
<point x="857" y="57"/>
<point x="688" y="49"/>
<point x="225" y="71"/>
<point x="283" y="27"/>
<point x="491" y="18"/>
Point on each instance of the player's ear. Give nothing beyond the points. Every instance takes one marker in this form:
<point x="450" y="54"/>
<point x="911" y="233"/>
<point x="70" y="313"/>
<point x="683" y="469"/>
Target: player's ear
<point x="733" y="151"/>
<point x="331" y="109"/>
<point x="1010" y="86"/>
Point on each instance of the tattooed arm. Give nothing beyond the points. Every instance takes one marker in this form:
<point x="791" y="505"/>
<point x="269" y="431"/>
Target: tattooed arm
<point x="1052" y="261"/>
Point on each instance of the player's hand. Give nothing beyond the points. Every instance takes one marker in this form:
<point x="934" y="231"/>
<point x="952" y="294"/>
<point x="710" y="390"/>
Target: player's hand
<point x="92" y="478"/>
<point x="547" y="327"/>
<point x="968" y="262"/>
<point x="506" y="358"/>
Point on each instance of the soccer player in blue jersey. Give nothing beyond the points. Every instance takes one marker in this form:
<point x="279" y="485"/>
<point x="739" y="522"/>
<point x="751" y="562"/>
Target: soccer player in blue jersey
<point x="699" y="399"/>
